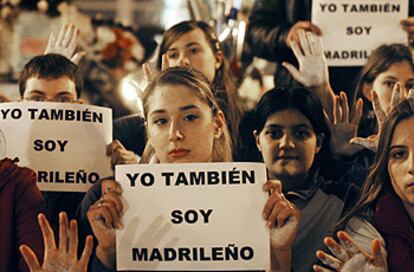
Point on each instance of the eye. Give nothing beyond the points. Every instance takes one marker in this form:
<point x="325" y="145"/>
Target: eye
<point x="160" y="121"/>
<point x="409" y="85"/>
<point x="36" y="98"/>
<point x="63" y="99"/>
<point x="398" y="154"/>
<point x="302" y="134"/>
<point x="389" y="83"/>
<point x="190" y="117"/>
<point x="194" y="50"/>
<point x="173" y="55"/>
<point x="275" y="133"/>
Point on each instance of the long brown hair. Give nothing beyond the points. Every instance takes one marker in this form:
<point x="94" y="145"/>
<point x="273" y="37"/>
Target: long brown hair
<point x="224" y="87"/>
<point x="378" y="181"/>
<point x="199" y="84"/>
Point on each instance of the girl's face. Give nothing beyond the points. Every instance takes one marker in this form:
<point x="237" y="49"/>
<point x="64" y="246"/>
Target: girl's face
<point x="288" y="144"/>
<point x="181" y="127"/>
<point x="401" y="161"/>
<point x="384" y="83"/>
<point x="193" y="49"/>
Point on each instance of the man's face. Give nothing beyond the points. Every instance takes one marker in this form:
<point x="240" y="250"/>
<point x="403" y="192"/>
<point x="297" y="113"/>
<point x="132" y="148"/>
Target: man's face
<point x="50" y="89"/>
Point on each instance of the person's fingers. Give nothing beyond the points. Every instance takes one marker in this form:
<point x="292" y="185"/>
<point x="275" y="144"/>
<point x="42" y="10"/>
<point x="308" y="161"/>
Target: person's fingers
<point x="273" y="185"/>
<point x="407" y="21"/>
<point x="115" y="197"/>
<point x="296" y="50"/>
<point x="47" y="232"/>
<point x="51" y="42"/>
<point x="278" y="206"/>
<point x="357" y="113"/>
<point x="318" y="268"/>
<point x="112" y="147"/>
<point x="336" y="249"/>
<point x="30" y="258"/>
<point x="337" y="110"/>
<point x="284" y="214"/>
<point x="165" y="62"/>
<point x="329" y="260"/>
<point x="318" y="46"/>
<point x="311" y="42"/>
<point x="304" y="43"/>
<point x="395" y="96"/>
<point x="73" y="240"/>
<point x="147" y="72"/>
<point x="105" y="213"/>
<point x="348" y="244"/>
<point x="345" y="107"/>
<point x="68" y="35"/>
<point x="61" y="35"/>
<point x="293" y="72"/>
<point x="77" y="57"/>
<point x="63" y="232"/>
<point x="87" y="252"/>
<point x="379" y="112"/>
<point x="268" y="207"/>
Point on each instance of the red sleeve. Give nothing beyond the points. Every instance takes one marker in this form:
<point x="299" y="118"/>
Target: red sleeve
<point x="29" y="203"/>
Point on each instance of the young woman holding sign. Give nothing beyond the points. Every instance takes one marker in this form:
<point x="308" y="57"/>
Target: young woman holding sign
<point x="293" y="136"/>
<point x="181" y="112"/>
<point x="380" y="228"/>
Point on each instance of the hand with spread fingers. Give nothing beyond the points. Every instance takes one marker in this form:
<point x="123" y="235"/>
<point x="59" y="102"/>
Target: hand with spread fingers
<point x="313" y="68"/>
<point x="64" y="43"/>
<point x="381" y="112"/>
<point x="63" y="258"/>
<point x="347" y="256"/>
<point x="119" y="154"/>
<point x="282" y="218"/>
<point x="149" y="75"/>
<point x="105" y="217"/>
<point x="344" y="126"/>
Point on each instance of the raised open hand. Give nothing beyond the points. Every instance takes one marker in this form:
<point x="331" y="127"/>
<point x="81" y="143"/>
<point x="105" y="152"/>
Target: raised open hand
<point x="344" y="126"/>
<point x="313" y="68"/>
<point x="63" y="258"/>
<point x="64" y="43"/>
<point x="349" y="257"/>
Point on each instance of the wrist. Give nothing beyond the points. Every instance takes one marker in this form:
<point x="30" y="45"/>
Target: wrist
<point x="107" y="256"/>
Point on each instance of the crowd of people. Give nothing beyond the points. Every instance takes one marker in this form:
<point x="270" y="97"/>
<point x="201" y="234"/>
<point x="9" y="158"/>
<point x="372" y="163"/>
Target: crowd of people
<point x="340" y="165"/>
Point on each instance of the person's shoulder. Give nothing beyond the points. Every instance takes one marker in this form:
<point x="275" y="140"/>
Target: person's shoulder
<point x="10" y="172"/>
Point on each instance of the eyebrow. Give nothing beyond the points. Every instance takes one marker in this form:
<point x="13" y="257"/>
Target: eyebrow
<point x="43" y="93"/>
<point x="397" y="146"/>
<point x="183" y="108"/>
<point x="187" y="45"/>
<point x="295" y="126"/>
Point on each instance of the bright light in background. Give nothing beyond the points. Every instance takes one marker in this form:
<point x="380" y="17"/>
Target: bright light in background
<point x="174" y="12"/>
<point x="128" y="90"/>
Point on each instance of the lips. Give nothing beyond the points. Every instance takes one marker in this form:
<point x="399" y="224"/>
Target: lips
<point x="285" y="157"/>
<point x="178" y="153"/>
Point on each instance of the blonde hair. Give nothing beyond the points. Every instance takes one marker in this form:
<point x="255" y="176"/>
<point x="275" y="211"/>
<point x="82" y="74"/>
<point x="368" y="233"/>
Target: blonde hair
<point x="199" y="84"/>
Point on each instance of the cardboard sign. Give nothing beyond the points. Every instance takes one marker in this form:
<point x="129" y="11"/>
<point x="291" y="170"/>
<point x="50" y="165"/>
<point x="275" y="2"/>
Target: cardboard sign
<point x="351" y="29"/>
<point x="64" y="143"/>
<point x="191" y="217"/>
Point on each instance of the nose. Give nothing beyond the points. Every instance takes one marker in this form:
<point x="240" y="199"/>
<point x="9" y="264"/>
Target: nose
<point x="286" y="142"/>
<point x="184" y="61"/>
<point x="175" y="134"/>
<point x="411" y="165"/>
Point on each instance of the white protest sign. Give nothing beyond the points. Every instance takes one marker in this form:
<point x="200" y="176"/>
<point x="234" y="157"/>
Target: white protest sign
<point x="193" y="217"/>
<point x="64" y="143"/>
<point x="353" y="28"/>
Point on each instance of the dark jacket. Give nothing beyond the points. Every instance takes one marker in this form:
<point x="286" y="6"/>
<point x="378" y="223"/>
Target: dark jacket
<point x="269" y="24"/>
<point x="21" y="202"/>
